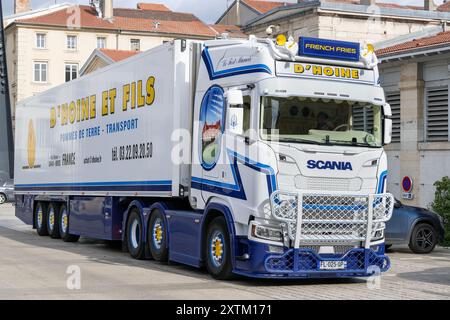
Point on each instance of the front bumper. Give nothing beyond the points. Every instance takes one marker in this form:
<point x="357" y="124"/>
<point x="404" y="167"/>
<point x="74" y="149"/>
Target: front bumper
<point x="305" y="263"/>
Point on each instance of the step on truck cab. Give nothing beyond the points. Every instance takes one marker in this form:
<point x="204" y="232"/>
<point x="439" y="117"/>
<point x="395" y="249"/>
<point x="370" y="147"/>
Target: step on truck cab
<point x="258" y="157"/>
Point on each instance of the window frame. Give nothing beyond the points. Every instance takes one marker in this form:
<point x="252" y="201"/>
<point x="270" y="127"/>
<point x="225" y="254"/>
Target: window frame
<point x="138" y="41"/>
<point x="104" y="42"/>
<point x="75" y="48"/>
<point x="71" y="64"/>
<point x="40" y="63"/>
<point x="44" y="40"/>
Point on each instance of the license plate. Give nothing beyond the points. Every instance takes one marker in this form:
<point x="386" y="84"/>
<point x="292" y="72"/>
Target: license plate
<point x="333" y="265"/>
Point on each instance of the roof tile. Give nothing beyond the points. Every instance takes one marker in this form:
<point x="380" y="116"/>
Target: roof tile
<point x="118" y="55"/>
<point x="263" y="6"/>
<point x="152" y="6"/>
<point x="129" y="20"/>
<point x="439" y="39"/>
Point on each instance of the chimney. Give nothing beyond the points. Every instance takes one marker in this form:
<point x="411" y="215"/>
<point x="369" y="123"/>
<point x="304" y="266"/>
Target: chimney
<point x="107" y="9"/>
<point x="430" y="5"/>
<point x="367" y="2"/>
<point x="21" y="6"/>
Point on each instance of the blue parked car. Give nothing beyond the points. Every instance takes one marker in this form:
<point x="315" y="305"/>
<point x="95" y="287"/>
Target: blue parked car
<point x="419" y="228"/>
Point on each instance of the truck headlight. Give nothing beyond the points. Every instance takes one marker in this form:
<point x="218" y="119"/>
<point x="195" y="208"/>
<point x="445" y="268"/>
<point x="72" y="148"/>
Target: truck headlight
<point x="266" y="232"/>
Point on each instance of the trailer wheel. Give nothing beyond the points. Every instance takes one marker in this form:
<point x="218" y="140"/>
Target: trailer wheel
<point x="64" y="225"/>
<point x="135" y="244"/>
<point x="40" y="219"/>
<point x="53" y="220"/>
<point x="218" y="250"/>
<point x="157" y="236"/>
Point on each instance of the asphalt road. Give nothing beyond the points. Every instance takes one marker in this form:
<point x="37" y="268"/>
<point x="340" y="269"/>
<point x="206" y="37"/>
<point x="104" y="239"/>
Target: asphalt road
<point x="34" y="267"/>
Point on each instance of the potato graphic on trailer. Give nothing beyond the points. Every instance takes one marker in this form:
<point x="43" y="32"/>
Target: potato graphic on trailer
<point x="31" y="144"/>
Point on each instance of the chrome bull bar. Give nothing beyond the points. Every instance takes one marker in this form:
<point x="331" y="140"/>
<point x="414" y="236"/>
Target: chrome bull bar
<point x="331" y="219"/>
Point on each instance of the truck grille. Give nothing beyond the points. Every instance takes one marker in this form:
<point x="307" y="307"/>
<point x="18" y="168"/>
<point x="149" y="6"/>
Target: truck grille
<point x="328" y="184"/>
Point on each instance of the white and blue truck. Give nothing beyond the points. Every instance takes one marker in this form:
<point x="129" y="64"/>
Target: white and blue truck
<point x="256" y="157"/>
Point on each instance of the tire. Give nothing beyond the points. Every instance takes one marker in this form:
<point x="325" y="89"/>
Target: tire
<point x="387" y="246"/>
<point x="64" y="225"/>
<point x="135" y="243"/>
<point x="40" y="219"/>
<point x="53" y="220"/>
<point x="423" y="239"/>
<point x="2" y="198"/>
<point x="157" y="236"/>
<point x="218" y="250"/>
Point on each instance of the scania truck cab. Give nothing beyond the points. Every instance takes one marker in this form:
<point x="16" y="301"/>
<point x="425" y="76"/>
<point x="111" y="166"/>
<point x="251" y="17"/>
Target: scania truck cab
<point x="290" y="140"/>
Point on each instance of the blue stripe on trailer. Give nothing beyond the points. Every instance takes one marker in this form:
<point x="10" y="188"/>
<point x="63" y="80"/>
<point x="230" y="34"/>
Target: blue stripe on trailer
<point x="163" y="185"/>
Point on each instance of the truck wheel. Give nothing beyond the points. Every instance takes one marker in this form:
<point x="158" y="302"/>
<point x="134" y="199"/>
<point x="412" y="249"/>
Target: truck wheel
<point x="135" y="244"/>
<point x="2" y="198"/>
<point x="157" y="236"/>
<point x="423" y="238"/>
<point x="218" y="250"/>
<point x="53" y="220"/>
<point x="40" y="219"/>
<point x="64" y="226"/>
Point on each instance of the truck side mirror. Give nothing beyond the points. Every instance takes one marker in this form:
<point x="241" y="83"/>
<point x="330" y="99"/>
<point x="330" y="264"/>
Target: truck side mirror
<point x="234" y="97"/>
<point x="387" y="139"/>
<point x="387" y="131"/>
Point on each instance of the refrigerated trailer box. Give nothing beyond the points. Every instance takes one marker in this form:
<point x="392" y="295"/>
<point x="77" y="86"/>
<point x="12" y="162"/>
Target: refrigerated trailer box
<point x="246" y="156"/>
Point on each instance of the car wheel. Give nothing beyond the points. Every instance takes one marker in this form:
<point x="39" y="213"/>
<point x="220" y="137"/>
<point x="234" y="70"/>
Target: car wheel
<point x="218" y="250"/>
<point x="64" y="225"/>
<point x="53" y="220"/>
<point x="157" y="236"/>
<point x="423" y="238"/>
<point x="40" y="218"/>
<point x="2" y="198"/>
<point x="135" y="244"/>
<point x="387" y="246"/>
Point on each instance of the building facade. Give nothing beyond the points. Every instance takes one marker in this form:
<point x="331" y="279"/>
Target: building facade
<point x="416" y="78"/>
<point x="351" y="20"/>
<point x="48" y="48"/>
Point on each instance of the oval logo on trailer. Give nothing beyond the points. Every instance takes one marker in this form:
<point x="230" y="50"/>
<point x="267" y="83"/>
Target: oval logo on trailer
<point x="407" y="184"/>
<point x="329" y="165"/>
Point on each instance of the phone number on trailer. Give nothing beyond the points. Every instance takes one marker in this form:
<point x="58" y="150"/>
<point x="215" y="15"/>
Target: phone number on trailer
<point x="133" y="152"/>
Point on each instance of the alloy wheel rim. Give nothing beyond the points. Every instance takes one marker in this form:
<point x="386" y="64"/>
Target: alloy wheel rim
<point x="158" y="233"/>
<point x="135" y="233"/>
<point x="217" y="248"/>
<point x="425" y="238"/>
<point x="64" y="221"/>
<point x="51" y="219"/>
<point x="39" y="217"/>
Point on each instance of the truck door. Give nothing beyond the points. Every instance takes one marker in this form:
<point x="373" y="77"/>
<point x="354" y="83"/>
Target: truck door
<point x="224" y="132"/>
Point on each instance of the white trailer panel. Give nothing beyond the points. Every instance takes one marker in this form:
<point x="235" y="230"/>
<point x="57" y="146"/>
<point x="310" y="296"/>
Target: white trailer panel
<point x="108" y="132"/>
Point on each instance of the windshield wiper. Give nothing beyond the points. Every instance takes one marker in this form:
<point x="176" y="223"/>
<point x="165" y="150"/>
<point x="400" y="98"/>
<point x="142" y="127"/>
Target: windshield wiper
<point x="353" y="143"/>
<point x="298" y="141"/>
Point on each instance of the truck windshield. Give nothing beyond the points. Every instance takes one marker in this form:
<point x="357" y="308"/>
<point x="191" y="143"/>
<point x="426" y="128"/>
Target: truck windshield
<point x="320" y="121"/>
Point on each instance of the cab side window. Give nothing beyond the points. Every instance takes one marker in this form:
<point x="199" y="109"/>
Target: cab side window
<point x="247" y="114"/>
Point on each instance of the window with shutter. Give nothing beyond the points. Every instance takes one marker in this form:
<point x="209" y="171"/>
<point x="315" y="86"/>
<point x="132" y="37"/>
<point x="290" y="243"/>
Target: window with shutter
<point x="437" y="114"/>
<point x="393" y="98"/>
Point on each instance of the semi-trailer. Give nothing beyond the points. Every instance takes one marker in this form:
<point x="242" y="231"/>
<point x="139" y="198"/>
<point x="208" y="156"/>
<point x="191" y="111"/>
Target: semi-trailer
<point x="257" y="157"/>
